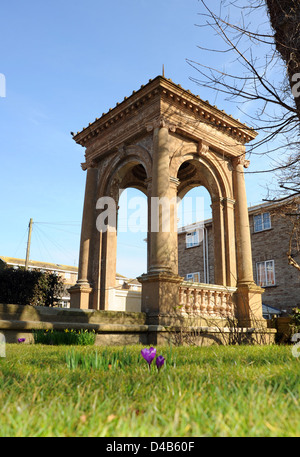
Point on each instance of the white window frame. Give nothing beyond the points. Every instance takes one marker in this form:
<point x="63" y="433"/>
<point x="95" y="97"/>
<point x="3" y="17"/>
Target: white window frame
<point x="192" y="239"/>
<point x="193" y="277"/>
<point x="262" y="267"/>
<point x="262" y="224"/>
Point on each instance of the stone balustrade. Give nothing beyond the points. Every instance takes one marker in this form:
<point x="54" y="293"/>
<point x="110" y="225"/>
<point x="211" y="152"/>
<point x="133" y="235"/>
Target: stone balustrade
<point x="206" y="299"/>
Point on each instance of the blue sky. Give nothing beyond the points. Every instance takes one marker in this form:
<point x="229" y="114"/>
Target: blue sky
<point x="65" y="63"/>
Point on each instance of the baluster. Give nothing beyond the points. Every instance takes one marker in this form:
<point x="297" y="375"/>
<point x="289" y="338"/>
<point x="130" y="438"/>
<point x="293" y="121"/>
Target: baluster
<point x="187" y="302"/>
<point x="229" y="305"/>
<point x="202" y="304"/>
<point x="198" y="300"/>
<point x="209" y="303"/>
<point x="194" y="301"/>
<point x="215" y="306"/>
<point x="181" y="301"/>
<point x="222" y="306"/>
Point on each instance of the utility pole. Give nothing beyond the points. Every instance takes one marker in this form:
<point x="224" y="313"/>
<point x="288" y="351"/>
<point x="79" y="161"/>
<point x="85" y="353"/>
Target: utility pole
<point x="28" y="244"/>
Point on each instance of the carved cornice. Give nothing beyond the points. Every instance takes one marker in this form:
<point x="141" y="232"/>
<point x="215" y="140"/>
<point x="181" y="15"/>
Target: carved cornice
<point x="164" y="89"/>
<point x="118" y="114"/>
<point x="208" y="114"/>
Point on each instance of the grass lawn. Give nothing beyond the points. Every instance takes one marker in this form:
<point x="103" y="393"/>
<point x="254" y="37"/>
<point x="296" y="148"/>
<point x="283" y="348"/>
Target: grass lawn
<point x="234" y="391"/>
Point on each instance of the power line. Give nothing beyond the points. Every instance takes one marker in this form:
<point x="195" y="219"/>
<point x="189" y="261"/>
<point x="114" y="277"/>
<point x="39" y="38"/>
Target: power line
<point x="21" y="242"/>
<point x="55" y="243"/>
<point x="73" y="223"/>
<point x="41" y="242"/>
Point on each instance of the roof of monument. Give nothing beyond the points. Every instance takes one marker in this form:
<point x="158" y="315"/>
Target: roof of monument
<point x="160" y="84"/>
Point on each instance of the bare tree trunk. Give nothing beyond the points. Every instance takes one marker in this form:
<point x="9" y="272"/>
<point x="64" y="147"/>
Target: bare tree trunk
<point x="285" y="20"/>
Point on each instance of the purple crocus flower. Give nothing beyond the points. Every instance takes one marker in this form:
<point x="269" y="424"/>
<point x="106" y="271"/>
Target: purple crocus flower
<point x="148" y="355"/>
<point x="21" y="340"/>
<point x="160" y="360"/>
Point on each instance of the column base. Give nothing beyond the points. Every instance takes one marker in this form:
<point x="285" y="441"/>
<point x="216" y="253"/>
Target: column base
<point x="80" y="295"/>
<point x="248" y="299"/>
<point x="160" y="296"/>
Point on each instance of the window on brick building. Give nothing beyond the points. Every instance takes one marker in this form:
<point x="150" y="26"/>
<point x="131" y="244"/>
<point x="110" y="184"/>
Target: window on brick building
<point x="194" y="277"/>
<point x="265" y="273"/>
<point x="262" y="222"/>
<point x="192" y="239"/>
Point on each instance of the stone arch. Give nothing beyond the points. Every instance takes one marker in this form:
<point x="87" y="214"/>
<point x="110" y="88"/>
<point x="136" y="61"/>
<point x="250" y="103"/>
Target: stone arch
<point x="130" y="167"/>
<point x="215" y="178"/>
<point x="116" y="173"/>
<point x="206" y="170"/>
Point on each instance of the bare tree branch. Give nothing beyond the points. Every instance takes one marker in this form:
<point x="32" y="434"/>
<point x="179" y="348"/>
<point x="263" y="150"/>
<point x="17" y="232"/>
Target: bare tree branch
<point x="255" y="80"/>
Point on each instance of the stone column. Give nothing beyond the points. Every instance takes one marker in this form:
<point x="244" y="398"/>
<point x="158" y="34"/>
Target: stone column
<point x="243" y="239"/>
<point x="97" y="269"/>
<point x="108" y="218"/>
<point x="108" y="268"/>
<point x="163" y="244"/>
<point x="219" y="241"/>
<point x="160" y="286"/>
<point x="149" y="192"/>
<point x="80" y="292"/>
<point x="230" y="248"/>
<point x="248" y="297"/>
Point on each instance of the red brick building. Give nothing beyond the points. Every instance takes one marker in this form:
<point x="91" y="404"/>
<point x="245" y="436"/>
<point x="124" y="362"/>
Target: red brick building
<point x="270" y="234"/>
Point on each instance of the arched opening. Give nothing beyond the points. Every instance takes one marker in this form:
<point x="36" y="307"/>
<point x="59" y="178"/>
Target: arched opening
<point x="201" y="224"/>
<point x="195" y="236"/>
<point x="131" y="235"/>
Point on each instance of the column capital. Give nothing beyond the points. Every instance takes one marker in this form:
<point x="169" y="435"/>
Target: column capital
<point x="229" y="201"/>
<point x="148" y="182"/>
<point x="174" y="181"/>
<point x="161" y="122"/>
<point x="240" y="160"/>
<point x="217" y="201"/>
<point x="88" y="164"/>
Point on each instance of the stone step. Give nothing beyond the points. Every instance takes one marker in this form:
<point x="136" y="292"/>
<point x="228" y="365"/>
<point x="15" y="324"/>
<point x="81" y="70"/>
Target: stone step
<point x="66" y="315"/>
<point x="39" y="325"/>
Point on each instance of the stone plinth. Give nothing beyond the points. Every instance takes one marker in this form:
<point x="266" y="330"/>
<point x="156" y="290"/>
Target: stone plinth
<point x="249" y="305"/>
<point x="160" y="298"/>
<point x="80" y="295"/>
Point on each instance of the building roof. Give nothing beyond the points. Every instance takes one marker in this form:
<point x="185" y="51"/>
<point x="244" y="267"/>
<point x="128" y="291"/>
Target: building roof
<point x="272" y="203"/>
<point x="166" y="87"/>
<point x="38" y="264"/>
<point x="270" y="309"/>
<point x="54" y="266"/>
